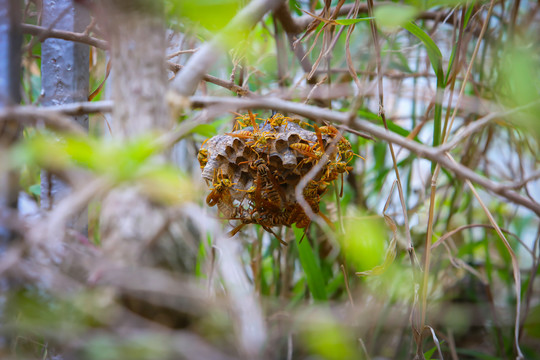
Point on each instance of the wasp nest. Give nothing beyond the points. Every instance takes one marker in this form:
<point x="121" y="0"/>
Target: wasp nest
<point x="255" y="170"/>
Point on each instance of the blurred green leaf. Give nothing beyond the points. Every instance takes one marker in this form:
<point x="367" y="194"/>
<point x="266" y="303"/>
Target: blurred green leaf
<point x="335" y="284"/>
<point x="35" y="189"/>
<point x="166" y="184"/>
<point x="364" y="241"/>
<point x="476" y="354"/>
<point x="532" y="322"/>
<point x="211" y="14"/>
<point x="206" y="130"/>
<point x="31" y="309"/>
<point x="399" y="130"/>
<point x="327" y="337"/>
<point x="45" y="151"/>
<point x="520" y="78"/>
<point x="394" y="15"/>
<point x="448" y="3"/>
<point x="139" y="347"/>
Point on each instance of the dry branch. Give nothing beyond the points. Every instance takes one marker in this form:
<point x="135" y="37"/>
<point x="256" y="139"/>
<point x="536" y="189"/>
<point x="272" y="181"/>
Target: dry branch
<point x="45" y="33"/>
<point x="433" y="154"/>
<point x="313" y="112"/>
<point x="297" y="25"/>
<point x="82" y="38"/>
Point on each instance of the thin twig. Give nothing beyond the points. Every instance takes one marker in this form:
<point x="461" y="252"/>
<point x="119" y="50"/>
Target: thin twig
<point x="43" y="33"/>
<point x="229" y="85"/>
<point x="346" y="281"/>
<point x="180" y="52"/>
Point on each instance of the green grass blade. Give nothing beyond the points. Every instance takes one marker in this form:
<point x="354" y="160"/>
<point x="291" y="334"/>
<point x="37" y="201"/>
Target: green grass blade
<point x="315" y="280"/>
<point x="352" y="21"/>
<point x="435" y="57"/>
<point x="434" y="54"/>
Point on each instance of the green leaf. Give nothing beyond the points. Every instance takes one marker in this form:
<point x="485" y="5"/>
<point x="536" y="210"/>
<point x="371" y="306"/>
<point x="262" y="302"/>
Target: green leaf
<point x="366" y="114"/>
<point x="83" y="151"/>
<point x="447" y="3"/>
<point x="400" y="131"/>
<point x="35" y="189"/>
<point x="434" y="54"/>
<point x="352" y="21"/>
<point x="40" y="150"/>
<point x="313" y="273"/>
<point x="212" y="14"/>
<point x="364" y="241"/>
<point x="428" y="354"/>
<point x="393" y="16"/>
<point x="206" y="130"/>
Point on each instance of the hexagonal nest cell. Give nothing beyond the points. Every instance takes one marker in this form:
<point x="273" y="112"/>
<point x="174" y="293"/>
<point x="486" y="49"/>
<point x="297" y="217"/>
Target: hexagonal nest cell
<point x="255" y="169"/>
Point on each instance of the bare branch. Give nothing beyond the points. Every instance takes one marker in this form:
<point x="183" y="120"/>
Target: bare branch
<point x="433" y="154"/>
<point x="71" y="109"/>
<point x="45" y="33"/>
<point x="479" y="124"/>
<point x="314" y="112"/>
<point x="229" y="85"/>
<point x="520" y="183"/>
<point x="32" y="116"/>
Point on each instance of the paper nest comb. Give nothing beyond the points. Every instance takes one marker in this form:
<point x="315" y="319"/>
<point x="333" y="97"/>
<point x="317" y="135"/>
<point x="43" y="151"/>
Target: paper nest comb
<point x="254" y="171"/>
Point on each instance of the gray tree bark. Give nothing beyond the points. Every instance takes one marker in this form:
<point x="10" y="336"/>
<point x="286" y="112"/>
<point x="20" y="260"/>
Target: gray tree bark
<point x="64" y="79"/>
<point x="132" y="226"/>
<point x="10" y="72"/>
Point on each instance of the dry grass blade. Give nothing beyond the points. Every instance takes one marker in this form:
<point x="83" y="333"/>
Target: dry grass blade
<point x="469" y="69"/>
<point x="446" y="236"/>
<point x="100" y="86"/>
<point x="350" y="65"/>
<point x="460" y="264"/>
<point x="346" y="280"/>
<point x="515" y="265"/>
<point x="436" y="341"/>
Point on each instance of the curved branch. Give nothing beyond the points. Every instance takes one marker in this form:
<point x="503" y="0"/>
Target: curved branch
<point x="433" y="154"/>
<point x="314" y="112"/>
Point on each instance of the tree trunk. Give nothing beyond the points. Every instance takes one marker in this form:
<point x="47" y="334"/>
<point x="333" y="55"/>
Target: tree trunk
<point x="64" y="79"/>
<point x="10" y="70"/>
<point x="131" y="224"/>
